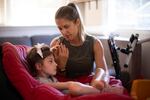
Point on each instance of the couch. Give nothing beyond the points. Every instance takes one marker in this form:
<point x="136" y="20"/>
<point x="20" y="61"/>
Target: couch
<point x="9" y="90"/>
<point x="28" y="40"/>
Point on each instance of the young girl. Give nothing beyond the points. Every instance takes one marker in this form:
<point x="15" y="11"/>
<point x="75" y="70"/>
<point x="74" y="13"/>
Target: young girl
<point x="43" y="67"/>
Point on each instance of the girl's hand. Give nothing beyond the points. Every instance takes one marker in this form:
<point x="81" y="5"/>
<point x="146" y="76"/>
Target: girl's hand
<point x="75" y="88"/>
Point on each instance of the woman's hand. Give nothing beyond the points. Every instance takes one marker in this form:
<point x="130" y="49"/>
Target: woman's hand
<point x="100" y="79"/>
<point x="61" y="54"/>
<point x="98" y="84"/>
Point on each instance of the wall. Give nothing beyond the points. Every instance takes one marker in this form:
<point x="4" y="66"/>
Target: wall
<point x="143" y="34"/>
<point x="146" y="59"/>
<point x="27" y="31"/>
<point x="93" y="10"/>
<point x="1" y="11"/>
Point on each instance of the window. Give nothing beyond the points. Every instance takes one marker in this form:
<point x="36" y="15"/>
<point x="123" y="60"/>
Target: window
<point x="133" y="14"/>
<point x="107" y="14"/>
<point x="1" y="11"/>
<point x="31" y="12"/>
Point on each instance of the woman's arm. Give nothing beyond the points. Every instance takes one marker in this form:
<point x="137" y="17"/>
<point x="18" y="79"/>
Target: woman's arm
<point x="75" y="88"/>
<point x="101" y="76"/>
<point x="60" y="85"/>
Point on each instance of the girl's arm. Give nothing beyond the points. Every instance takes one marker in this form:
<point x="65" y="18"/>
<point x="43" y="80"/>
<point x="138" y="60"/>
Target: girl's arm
<point x="75" y="88"/>
<point x="60" y="85"/>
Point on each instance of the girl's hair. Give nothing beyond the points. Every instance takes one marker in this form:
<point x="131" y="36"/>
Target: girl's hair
<point x="71" y="12"/>
<point x="33" y="57"/>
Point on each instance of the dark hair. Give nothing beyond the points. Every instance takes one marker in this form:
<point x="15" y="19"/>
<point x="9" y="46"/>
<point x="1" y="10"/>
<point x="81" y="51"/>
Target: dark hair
<point x="68" y="12"/>
<point x="33" y="57"/>
<point x="72" y="13"/>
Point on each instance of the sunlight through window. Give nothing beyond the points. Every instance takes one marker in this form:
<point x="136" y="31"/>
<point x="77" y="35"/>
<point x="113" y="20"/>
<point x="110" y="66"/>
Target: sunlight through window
<point x="33" y="12"/>
<point x="129" y="13"/>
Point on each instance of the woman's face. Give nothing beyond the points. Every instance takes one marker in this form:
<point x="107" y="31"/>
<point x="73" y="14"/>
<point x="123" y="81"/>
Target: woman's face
<point x="69" y="29"/>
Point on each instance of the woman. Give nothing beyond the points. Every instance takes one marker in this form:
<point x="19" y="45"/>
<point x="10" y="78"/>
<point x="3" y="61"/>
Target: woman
<point x="76" y="51"/>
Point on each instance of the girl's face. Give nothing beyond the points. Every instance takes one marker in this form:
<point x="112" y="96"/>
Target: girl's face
<point x="49" y="66"/>
<point x="69" y="29"/>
